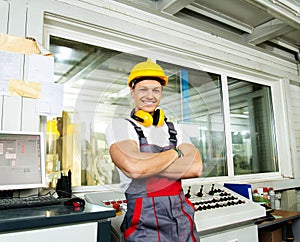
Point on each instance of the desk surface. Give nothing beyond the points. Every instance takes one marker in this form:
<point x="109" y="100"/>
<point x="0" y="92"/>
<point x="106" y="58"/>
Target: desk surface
<point x="284" y="216"/>
<point x="24" y="218"/>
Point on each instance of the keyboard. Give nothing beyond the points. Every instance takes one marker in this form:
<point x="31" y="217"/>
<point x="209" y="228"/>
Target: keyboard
<point x="25" y="202"/>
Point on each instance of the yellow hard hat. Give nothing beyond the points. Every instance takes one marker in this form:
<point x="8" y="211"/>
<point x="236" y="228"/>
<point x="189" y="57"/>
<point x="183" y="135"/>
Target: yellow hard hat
<point x="147" y="69"/>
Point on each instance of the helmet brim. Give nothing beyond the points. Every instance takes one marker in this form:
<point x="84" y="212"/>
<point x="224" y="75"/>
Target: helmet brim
<point x="162" y="80"/>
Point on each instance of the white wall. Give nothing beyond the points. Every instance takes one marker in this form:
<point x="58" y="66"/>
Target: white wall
<point x="4" y="6"/>
<point x="295" y="120"/>
<point x="294" y="100"/>
<point x="17" y="113"/>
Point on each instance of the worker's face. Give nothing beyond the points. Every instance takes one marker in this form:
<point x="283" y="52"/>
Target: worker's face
<point x="146" y="95"/>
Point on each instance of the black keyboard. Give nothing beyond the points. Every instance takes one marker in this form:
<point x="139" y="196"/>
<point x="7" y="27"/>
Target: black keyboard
<point x="24" y="202"/>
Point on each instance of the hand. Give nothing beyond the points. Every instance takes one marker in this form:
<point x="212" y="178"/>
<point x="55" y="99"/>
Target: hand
<point x="187" y="149"/>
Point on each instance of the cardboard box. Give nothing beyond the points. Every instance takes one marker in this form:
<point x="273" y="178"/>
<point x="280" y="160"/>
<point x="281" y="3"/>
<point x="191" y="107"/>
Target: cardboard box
<point x="270" y="235"/>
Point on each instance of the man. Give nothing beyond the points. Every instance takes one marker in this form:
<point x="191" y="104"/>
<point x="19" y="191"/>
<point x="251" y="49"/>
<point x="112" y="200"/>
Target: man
<point x="153" y="156"/>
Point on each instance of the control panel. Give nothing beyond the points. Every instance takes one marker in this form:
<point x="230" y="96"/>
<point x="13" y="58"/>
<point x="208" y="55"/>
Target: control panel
<point x="217" y="208"/>
<point x="214" y="198"/>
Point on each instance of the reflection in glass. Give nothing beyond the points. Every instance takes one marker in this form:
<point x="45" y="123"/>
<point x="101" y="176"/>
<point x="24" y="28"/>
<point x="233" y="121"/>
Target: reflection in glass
<point x="252" y="127"/>
<point x="195" y="97"/>
<point x="95" y="91"/>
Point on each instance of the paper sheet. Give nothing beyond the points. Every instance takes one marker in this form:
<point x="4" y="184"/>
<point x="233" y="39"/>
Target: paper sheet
<point x="51" y="100"/>
<point x="10" y="68"/>
<point x="39" y="68"/>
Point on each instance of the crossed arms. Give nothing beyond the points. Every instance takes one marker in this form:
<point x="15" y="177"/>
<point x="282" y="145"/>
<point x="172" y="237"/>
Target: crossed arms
<point x="136" y="164"/>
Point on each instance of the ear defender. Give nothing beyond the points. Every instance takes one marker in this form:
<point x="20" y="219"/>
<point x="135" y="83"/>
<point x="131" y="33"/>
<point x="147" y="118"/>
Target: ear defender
<point x="146" y="118"/>
<point x="158" y="117"/>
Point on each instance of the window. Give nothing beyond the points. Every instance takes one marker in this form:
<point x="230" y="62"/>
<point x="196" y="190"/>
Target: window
<point x="95" y="91"/>
<point x="252" y="128"/>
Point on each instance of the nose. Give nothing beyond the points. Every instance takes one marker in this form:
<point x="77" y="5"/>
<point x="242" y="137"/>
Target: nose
<point x="150" y="93"/>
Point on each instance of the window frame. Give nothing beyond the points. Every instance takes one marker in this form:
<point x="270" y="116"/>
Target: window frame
<point x="278" y="88"/>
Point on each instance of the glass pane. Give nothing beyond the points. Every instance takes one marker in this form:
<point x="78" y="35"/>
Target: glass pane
<point x="95" y="91"/>
<point x="194" y="97"/>
<point x="252" y="127"/>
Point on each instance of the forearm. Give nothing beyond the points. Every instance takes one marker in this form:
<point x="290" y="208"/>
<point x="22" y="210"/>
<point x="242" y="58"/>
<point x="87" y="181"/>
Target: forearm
<point x="187" y="166"/>
<point x="183" y="168"/>
<point x="137" y="164"/>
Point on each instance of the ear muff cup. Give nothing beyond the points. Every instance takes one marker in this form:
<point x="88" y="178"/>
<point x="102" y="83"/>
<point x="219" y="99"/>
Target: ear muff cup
<point x="143" y="118"/>
<point x="158" y="117"/>
<point x="146" y="118"/>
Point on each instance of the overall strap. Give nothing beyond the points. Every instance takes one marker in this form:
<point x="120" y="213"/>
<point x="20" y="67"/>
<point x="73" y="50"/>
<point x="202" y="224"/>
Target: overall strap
<point x="143" y="140"/>
<point x="139" y="131"/>
<point x="172" y="133"/>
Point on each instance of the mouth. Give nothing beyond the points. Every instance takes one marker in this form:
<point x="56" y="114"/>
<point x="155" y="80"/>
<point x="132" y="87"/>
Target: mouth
<point x="148" y="105"/>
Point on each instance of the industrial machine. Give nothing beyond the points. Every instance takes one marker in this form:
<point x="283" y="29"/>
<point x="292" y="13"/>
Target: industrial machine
<point x="221" y="214"/>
